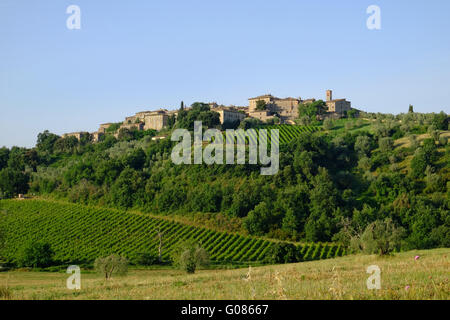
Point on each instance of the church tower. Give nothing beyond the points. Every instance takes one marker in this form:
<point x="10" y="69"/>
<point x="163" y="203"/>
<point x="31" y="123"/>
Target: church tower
<point x="329" y="95"/>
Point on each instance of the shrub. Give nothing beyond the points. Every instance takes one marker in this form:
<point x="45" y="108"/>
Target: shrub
<point x="386" y="144"/>
<point x="36" y="255"/>
<point x="328" y="124"/>
<point x="144" y="259"/>
<point x="110" y="265"/>
<point x="349" y="125"/>
<point x="380" y="237"/>
<point x="189" y="256"/>
<point x="282" y="252"/>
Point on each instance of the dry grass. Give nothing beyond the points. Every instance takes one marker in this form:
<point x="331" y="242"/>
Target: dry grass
<point x="341" y="278"/>
<point x="406" y="143"/>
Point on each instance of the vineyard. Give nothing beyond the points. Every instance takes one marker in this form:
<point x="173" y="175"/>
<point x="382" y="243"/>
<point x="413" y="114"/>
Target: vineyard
<point x="287" y="133"/>
<point x="79" y="234"/>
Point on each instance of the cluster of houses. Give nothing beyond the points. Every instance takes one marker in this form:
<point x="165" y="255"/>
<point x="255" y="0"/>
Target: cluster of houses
<point x="285" y="109"/>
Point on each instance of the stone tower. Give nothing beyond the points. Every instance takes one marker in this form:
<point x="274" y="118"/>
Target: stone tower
<point x="329" y="95"/>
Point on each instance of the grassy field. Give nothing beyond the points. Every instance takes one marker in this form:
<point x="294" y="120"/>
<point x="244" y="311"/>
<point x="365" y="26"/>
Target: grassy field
<point x="406" y="143"/>
<point x="402" y="277"/>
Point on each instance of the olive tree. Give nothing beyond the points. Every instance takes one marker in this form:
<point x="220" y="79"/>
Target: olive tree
<point x="110" y="265"/>
<point x="380" y="237"/>
<point x="189" y="256"/>
<point x="328" y="124"/>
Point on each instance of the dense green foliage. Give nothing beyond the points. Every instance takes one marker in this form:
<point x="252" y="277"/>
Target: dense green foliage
<point x="361" y="170"/>
<point x="261" y="105"/>
<point x="35" y="254"/>
<point x="198" y="112"/>
<point x="381" y="237"/>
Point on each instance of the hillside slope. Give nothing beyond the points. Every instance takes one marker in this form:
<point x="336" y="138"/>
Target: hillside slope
<point x="79" y="234"/>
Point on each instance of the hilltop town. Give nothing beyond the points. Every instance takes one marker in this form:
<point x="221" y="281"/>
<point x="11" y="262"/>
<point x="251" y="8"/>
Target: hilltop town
<point x="264" y="108"/>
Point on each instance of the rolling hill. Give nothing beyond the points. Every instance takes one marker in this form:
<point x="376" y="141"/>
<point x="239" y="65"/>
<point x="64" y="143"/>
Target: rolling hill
<point x="79" y="234"/>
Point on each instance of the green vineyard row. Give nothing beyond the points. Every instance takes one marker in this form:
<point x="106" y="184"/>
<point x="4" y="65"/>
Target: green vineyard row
<point x="80" y="234"/>
<point x="287" y="133"/>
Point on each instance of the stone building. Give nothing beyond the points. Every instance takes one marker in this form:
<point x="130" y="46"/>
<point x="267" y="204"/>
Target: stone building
<point x="156" y="120"/>
<point x="263" y="115"/>
<point x="104" y="127"/>
<point x="139" y="126"/>
<point x="286" y="108"/>
<point x="96" y="136"/>
<point x="78" y="135"/>
<point x="338" y="105"/>
<point x="229" y="114"/>
<point x="131" y="120"/>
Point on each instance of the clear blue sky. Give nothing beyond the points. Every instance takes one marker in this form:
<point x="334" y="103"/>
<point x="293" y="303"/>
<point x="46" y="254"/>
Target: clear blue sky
<point x="139" y="55"/>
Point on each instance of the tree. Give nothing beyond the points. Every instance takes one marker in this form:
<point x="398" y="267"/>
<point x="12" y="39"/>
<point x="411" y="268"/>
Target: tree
<point x="199" y="112"/>
<point x="136" y="159"/>
<point x="386" y="144"/>
<point x="189" y="256"/>
<point x="249" y="123"/>
<point x="423" y="157"/>
<point x="352" y="113"/>
<point x="381" y="237"/>
<point x="363" y="145"/>
<point x="36" y="254"/>
<point x="290" y="222"/>
<point x="16" y="159"/>
<point x="127" y="189"/>
<point x="321" y="223"/>
<point x="4" y="156"/>
<point x="46" y="141"/>
<point x="328" y="124"/>
<point x="282" y="252"/>
<point x="13" y="182"/>
<point x="414" y="144"/>
<point x="411" y="108"/>
<point x="312" y="109"/>
<point x="125" y="134"/>
<point x="144" y="259"/>
<point x="31" y="158"/>
<point x="440" y="121"/>
<point x="259" y="219"/>
<point x="113" y="264"/>
<point x="305" y="120"/>
<point x="435" y="135"/>
<point x="261" y="105"/>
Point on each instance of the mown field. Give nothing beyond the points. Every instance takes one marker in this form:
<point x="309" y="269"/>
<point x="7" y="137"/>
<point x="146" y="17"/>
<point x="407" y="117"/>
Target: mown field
<point x="80" y="234"/>
<point x="402" y="277"/>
